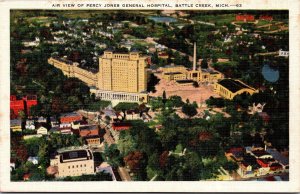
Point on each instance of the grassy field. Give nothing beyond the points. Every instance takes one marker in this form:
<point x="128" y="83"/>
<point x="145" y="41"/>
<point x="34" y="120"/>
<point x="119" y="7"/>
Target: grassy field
<point x="224" y="18"/>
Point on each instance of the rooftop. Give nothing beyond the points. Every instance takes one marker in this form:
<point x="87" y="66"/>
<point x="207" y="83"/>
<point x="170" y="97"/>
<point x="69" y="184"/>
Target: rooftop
<point x="184" y="81"/>
<point x="173" y="73"/>
<point x="74" y="154"/>
<point x="278" y="156"/>
<point x="71" y="114"/>
<point x="233" y="85"/>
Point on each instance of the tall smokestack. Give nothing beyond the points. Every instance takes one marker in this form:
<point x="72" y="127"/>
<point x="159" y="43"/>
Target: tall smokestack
<point x="194" y="59"/>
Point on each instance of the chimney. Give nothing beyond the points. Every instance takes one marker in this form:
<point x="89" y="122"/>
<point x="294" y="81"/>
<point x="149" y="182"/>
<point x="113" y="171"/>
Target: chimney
<point x="194" y="59"/>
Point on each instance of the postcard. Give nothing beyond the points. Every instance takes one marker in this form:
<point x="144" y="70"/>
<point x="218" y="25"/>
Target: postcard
<point x="149" y="96"/>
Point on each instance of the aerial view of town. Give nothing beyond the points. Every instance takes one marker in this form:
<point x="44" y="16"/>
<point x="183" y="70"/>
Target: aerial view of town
<point x="149" y="95"/>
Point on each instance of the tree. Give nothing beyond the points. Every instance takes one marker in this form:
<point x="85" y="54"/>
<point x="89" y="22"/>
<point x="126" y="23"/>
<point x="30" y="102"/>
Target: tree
<point x="126" y="143"/>
<point x="204" y="64"/>
<point x="112" y="155"/>
<point x="230" y="166"/>
<point x="137" y="162"/>
<point x="164" y="97"/>
<point x="189" y="110"/>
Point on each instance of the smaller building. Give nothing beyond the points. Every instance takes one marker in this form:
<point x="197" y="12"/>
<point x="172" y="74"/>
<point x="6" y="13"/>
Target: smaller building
<point x="70" y="117"/>
<point x="229" y="88"/>
<point x="93" y="140"/>
<point x="88" y="130"/>
<point x="42" y="131"/>
<point x="30" y="125"/>
<point x="16" y="125"/>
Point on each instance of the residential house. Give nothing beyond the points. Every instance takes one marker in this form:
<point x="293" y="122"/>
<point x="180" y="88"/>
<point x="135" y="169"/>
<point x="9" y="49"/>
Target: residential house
<point x="30" y="125"/>
<point x="42" y="130"/>
<point x="70" y="117"/>
<point x="16" y="125"/>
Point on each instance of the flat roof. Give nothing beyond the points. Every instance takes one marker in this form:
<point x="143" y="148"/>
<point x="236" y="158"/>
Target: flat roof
<point x="184" y="81"/>
<point x="233" y="85"/>
<point x="74" y="154"/>
<point x="173" y="73"/>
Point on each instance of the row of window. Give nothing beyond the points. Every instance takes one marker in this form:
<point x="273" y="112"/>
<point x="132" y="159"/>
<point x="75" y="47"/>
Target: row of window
<point x="77" y="166"/>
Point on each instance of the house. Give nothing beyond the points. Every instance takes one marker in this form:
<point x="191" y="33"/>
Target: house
<point x="93" y="140"/>
<point x="120" y="126"/>
<point x="54" y="130"/>
<point x="54" y="122"/>
<point x="34" y="160"/>
<point x="65" y="125"/>
<point x="30" y="125"/>
<point x="66" y="131"/>
<point x="42" y="120"/>
<point x="16" y="125"/>
<point x="89" y="130"/>
<point x="70" y="117"/>
<point x="42" y="131"/>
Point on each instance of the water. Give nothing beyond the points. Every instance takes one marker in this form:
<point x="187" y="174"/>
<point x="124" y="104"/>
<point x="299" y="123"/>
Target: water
<point x="162" y="19"/>
<point x="270" y="74"/>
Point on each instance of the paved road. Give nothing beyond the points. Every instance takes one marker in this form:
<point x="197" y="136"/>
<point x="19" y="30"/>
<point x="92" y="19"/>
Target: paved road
<point x="124" y="174"/>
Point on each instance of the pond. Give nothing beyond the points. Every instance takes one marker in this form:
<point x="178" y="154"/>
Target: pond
<point x="270" y="74"/>
<point x="162" y="19"/>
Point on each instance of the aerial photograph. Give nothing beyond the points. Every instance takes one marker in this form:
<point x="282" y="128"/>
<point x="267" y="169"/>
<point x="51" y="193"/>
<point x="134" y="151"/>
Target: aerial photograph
<point x="149" y="95"/>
